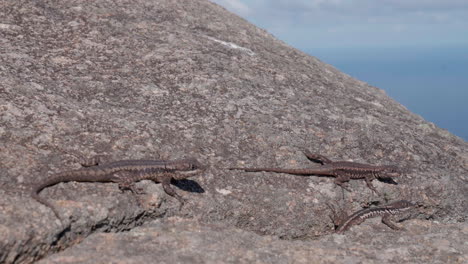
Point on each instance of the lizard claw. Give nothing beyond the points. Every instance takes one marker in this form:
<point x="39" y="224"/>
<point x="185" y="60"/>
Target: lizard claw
<point x="132" y="188"/>
<point x="139" y="191"/>
<point x="182" y="202"/>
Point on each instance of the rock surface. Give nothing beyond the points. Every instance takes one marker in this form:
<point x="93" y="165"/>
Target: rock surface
<point x="178" y="240"/>
<point x="171" y="79"/>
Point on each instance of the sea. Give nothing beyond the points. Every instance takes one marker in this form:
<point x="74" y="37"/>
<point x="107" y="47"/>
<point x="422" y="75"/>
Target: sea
<point x="431" y="81"/>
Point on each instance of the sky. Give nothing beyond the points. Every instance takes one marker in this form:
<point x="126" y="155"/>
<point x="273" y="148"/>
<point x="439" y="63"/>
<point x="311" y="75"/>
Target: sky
<point x="356" y="23"/>
<point x="416" y="50"/>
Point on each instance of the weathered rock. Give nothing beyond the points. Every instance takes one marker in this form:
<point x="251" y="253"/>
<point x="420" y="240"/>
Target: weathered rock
<point x="168" y="79"/>
<point x="178" y="240"/>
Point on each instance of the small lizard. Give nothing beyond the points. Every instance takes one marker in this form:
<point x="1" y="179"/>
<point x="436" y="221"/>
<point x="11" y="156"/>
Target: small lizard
<point x="125" y="173"/>
<point x="386" y="212"/>
<point x="343" y="171"/>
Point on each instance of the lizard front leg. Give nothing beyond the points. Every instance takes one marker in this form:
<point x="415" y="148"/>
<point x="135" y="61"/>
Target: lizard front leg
<point x="370" y="185"/>
<point x="317" y="157"/>
<point x="166" y="184"/>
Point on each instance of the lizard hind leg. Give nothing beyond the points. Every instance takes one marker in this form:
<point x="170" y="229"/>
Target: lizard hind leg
<point x="337" y="218"/>
<point x="87" y="161"/>
<point x="126" y="182"/>
<point x="130" y="186"/>
<point x="371" y="186"/>
<point x="317" y="157"/>
<point x="386" y="219"/>
<point x="94" y="160"/>
<point x="90" y="162"/>
<point x="342" y="182"/>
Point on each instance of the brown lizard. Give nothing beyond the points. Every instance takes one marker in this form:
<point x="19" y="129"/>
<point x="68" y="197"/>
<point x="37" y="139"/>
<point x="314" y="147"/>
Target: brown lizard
<point x="343" y="171"/>
<point x="344" y="222"/>
<point x="125" y="173"/>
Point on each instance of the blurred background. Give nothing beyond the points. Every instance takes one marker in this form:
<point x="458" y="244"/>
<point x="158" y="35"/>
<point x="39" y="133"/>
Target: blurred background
<point x="417" y="51"/>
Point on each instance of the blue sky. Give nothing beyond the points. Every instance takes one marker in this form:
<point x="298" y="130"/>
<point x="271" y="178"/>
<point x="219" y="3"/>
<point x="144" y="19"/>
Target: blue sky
<point x="345" y="23"/>
<point x="416" y="50"/>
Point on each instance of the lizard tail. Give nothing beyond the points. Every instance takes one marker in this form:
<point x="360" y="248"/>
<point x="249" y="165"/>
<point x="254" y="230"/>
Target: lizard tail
<point x="76" y="175"/>
<point x="60" y="177"/>
<point x="35" y="195"/>
<point x="279" y="170"/>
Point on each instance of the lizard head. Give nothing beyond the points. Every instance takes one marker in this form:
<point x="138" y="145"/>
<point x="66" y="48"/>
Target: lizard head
<point x="187" y="168"/>
<point x="389" y="171"/>
<point x="402" y="204"/>
<point x="194" y="164"/>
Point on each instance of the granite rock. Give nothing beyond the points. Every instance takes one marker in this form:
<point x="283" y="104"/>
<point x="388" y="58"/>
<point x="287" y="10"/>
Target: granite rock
<point x="170" y="79"/>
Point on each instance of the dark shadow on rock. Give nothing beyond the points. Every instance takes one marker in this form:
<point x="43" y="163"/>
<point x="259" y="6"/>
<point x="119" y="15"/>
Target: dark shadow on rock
<point x="389" y="181"/>
<point x="188" y="185"/>
<point x="315" y="160"/>
<point x="61" y="237"/>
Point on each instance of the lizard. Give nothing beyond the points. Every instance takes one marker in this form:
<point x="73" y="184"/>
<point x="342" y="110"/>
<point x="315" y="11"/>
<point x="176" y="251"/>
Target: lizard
<point x="344" y="222"/>
<point x="125" y="173"/>
<point x="343" y="171"/>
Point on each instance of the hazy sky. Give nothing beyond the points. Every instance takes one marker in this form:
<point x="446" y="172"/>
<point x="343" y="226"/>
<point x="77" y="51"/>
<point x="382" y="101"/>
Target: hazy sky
<point x="309" y="24"/>
<point x="416" y="50"/>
